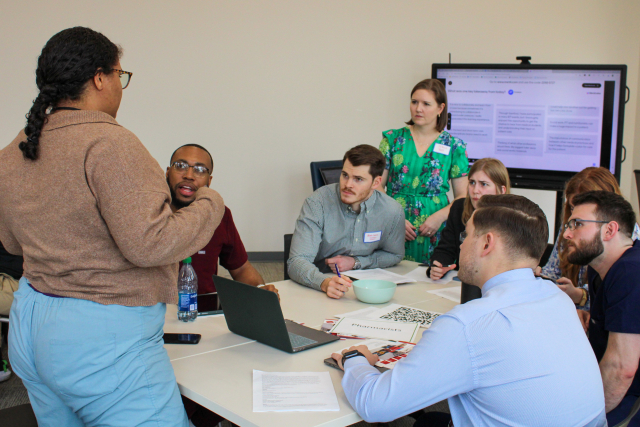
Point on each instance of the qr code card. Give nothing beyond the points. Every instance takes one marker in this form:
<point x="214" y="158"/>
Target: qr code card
<point x="401" y="313"/>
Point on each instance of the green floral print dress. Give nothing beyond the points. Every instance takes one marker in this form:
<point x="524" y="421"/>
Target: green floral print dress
<point x="420" y="184"/>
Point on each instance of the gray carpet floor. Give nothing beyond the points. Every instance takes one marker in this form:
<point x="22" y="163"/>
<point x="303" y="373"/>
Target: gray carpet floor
<point x="13" y="392"/>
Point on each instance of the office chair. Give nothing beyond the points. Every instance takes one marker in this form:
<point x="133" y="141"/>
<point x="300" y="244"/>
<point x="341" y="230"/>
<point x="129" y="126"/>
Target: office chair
<point x="637" y="172"/>
<point x="546" y="255"/>
<point x="21" y="415"/>
<point x="317" y="180"/>
<point x="287" y="250"/>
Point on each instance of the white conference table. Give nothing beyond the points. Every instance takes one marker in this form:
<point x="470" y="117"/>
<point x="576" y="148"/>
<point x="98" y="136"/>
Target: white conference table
<point x="217" y="373"/>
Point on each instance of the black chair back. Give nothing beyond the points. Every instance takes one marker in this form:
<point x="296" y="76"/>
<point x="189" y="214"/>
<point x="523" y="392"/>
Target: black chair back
<point x="316" y="172"/>
<point x="21" y="415"/>
<point x="469" y="292"/>
<point x="637" y="172"/>
<point x="287" y="250"/>
<point x="546" y="255"/>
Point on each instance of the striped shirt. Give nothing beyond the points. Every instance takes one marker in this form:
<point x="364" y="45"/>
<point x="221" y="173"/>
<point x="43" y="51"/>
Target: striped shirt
<point x="327" y="227"/>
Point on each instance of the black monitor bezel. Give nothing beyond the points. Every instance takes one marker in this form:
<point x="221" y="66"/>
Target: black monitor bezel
<point x="545" y="175"/>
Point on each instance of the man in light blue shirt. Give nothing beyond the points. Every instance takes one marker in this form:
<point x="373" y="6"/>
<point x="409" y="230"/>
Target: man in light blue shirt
<point x="517" y="356"/>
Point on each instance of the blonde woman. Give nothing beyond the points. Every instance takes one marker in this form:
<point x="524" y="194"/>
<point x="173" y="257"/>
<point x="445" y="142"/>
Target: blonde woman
<point x="486" y="176"/>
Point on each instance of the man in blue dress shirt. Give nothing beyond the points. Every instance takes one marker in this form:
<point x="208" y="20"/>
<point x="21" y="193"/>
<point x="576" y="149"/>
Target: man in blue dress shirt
<point x="516" y="356"/>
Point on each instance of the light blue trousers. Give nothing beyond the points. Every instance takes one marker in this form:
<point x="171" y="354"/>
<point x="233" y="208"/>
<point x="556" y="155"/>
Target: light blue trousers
<point x="85" y="363"/>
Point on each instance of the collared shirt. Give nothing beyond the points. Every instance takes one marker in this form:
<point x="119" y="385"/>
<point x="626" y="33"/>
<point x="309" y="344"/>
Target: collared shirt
<point x="225" y="247"/>
<point x="514" y="357"/>
<point x="327" y="227"/>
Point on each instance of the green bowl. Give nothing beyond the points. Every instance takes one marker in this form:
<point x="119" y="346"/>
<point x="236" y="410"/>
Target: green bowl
<point x="374" y="291"/>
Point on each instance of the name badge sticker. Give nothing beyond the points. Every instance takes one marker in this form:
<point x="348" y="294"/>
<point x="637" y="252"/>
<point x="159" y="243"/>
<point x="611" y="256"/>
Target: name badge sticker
<point x="201" y="252"/>
<point x="442" y="149"/>
<point x="374" y="236"/>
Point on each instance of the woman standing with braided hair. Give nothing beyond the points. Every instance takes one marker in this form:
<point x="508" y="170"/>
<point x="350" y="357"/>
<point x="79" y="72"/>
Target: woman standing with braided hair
<point x="88" y="208"/>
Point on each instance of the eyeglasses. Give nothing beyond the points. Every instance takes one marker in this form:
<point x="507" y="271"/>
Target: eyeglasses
<point x="576" y="222"/>
<point x="463" y="236"/>
<point x="198" y="170"/>
<point x="125" y="77"/>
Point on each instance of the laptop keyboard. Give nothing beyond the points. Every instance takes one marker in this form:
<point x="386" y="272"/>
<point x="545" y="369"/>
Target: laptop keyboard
<point x="298" y="341"/>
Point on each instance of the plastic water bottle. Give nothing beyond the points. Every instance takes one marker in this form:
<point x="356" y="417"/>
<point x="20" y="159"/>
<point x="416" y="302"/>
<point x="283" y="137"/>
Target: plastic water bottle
<point x="187" y="292"/>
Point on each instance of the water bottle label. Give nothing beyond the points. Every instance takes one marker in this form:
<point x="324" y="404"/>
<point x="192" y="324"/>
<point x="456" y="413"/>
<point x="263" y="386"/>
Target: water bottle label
<point x="193" y="304"/>
<point x="184" y="301"/>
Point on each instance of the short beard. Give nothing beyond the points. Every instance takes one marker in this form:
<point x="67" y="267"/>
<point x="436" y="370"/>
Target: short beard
<point x="466" y="275"/>
<point x="588" y="253"/>
<point x="174" y="200"/>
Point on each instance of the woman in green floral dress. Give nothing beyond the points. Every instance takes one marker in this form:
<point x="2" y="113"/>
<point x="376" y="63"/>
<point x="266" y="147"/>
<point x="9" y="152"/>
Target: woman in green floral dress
<point x="422" y="158"/>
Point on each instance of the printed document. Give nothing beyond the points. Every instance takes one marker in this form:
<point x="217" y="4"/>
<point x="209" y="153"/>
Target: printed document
<point x="420" y="275"/>
<point x="293" y="391"/>
<point x="394" y="312"/>
<point x="453" y="293"/>
<point x="386" y="330"/>
<point x="377" y="274"/>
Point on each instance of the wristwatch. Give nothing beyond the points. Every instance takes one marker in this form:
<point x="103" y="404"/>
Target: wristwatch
<point x="357" y="265"/>
<point x="349" y="355"/>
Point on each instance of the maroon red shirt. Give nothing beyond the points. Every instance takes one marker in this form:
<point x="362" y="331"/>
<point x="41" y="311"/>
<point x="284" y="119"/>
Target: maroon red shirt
<point x="226" y="246"/>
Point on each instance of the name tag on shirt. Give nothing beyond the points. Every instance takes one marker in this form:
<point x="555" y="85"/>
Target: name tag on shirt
<point x="201" y="252"/>
<point x="442" y="149"/>
<point x="374" y="236"/>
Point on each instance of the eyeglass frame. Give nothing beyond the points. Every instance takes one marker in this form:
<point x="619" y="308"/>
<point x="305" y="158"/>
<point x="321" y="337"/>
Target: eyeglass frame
<point x="120" y="73"/>
<point x="578" y="220"/>
<point x="189" y="167"/>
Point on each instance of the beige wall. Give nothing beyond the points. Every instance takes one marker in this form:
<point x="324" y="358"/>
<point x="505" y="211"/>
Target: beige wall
<point x="271" y="86"/>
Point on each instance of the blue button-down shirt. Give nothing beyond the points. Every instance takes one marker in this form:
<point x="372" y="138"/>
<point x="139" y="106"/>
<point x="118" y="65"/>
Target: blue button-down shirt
<point x="327" y="227"/>
<point x="518" y="356"/>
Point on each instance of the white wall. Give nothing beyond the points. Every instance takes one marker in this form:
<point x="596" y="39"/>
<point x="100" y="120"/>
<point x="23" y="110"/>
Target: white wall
<point x="271" y="86"/>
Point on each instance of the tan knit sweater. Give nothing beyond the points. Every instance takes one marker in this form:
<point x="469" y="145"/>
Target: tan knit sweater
<point x="91" y="215"/>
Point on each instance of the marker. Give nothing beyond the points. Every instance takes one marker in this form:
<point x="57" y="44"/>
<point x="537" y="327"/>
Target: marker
<point x="337" y="270"/>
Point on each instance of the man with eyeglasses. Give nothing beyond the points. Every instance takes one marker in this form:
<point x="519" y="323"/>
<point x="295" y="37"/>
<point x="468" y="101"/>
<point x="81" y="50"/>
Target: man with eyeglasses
<point x="599" y="234"/>
<point x="190" y="169"/>
<point x="514" y="357"/>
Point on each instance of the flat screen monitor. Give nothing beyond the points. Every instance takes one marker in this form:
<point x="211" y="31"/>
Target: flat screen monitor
<point x="544" y="122"/>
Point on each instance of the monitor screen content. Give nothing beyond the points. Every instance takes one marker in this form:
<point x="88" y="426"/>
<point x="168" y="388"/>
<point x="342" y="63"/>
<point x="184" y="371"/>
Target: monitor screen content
<point x="549" y="120"/>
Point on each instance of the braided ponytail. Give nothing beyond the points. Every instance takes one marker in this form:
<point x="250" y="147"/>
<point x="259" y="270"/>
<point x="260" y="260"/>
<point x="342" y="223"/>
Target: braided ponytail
<point x="68" y="61"/>
<point x="36" y="118"/>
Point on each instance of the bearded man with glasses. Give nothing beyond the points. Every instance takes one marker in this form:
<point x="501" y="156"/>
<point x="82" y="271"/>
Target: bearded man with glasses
<point x="599" y="234"/>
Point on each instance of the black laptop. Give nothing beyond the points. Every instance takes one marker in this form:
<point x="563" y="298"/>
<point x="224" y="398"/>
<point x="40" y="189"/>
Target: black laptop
<point x="255" y="313"/>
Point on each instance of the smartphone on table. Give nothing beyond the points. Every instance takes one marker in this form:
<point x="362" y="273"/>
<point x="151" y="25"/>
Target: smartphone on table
<point x="181" y="338"/>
